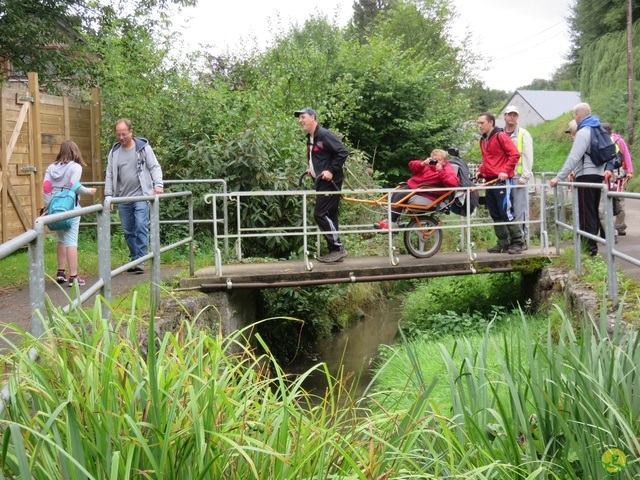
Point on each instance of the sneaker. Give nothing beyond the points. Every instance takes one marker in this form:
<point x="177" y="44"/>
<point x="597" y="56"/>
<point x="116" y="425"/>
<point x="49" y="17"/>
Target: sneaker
<point x="382" y="225"/>
<point x="61" y="277"/>
<point x="498" y="249"/>
<point x="622" y="233"/>
<point x="333" y="257"/>
<point x="515" y="249"/>
<point x="76" y="279"/>
<point x="136" y="269"/>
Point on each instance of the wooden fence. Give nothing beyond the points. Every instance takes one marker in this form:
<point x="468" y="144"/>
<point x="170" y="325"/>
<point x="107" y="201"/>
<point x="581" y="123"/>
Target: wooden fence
<point x="32" y="126"/>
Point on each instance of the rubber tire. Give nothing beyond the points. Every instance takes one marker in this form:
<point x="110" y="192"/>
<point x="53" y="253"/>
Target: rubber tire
<point x="414" y="240"/>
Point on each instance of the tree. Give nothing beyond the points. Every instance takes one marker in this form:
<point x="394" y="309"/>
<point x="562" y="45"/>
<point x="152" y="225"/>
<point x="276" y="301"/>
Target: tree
<point x="592" y="19"/>
<point x="52" y="37"/>
<point x="36" y="35"/>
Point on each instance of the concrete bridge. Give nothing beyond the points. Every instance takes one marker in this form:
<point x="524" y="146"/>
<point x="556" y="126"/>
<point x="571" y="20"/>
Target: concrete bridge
<point x="293" y="273"/>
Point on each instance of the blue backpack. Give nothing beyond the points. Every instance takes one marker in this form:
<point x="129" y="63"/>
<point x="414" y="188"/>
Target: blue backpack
<point x="63" y="201"/>
<point x="601" y="150"/>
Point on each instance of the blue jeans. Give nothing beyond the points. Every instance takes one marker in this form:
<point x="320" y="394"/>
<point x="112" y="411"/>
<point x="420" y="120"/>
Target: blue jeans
<point x="134" y="218"/>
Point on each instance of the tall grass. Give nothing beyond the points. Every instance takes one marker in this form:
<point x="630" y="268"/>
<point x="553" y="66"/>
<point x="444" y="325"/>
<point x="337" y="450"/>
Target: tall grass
<point x="552" y="402"/>
<point x="202" y="406"/>
<point x="522" y="405"/>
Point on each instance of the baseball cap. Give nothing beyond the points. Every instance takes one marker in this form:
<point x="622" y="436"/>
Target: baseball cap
<point x="307" y="110"/>
<point x="511" y="109"/>
<point x="573" y="127"/>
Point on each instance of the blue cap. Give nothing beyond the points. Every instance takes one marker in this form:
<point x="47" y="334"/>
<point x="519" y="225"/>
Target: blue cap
<point x="307" y="110"/>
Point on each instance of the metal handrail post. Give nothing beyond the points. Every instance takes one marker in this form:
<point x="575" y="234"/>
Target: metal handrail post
<point x="104" y="254"/>
<point x="154" y="243"/>
<point x="305" y="234"/>
<point x="238" y="229"/>
<point x="577" y="243"/>
<point x="609" y="232"/>
<point x="191" y="244"/>
<point x="544" y="232"/>
<point x="556" y="216"/>
<point x="36" y="282"/>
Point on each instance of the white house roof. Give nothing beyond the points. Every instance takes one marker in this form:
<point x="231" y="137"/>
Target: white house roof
<point x="549" y="104"/>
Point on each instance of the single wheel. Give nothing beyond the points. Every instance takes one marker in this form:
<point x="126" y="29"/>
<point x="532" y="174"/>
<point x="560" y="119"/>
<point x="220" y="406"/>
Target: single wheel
<point x="423" y="243"/>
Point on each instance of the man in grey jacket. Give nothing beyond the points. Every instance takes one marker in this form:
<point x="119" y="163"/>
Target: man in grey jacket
<point x="579" y="162"/>
<point x="133" y="171"/>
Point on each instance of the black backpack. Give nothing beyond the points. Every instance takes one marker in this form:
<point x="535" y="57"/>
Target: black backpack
<point x="459" y="205"/>
<point x="601" y="150"/>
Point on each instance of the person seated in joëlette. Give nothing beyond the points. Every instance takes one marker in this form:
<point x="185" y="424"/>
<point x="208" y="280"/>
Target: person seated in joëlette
<point x="435" y="171"/>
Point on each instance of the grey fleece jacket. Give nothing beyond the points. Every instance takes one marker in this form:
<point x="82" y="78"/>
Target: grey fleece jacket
<point x="575" y="162"/>
<point x="148" y="169"/>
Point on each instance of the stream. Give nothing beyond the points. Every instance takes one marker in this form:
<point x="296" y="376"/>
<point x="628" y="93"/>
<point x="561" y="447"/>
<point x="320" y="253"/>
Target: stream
<point x="355" y="349"/>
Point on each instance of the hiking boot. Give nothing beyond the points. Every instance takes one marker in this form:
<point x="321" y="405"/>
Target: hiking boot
<point x="515" y="248"/>
<point x="333" y="257"/>
<point x="498" y="249"/>
<point x="76" y="279"/>
<point x="61" y="277"/>
<point x="382" y="225"/>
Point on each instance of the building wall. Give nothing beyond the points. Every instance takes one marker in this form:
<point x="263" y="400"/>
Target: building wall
<point x="527" y="116"/>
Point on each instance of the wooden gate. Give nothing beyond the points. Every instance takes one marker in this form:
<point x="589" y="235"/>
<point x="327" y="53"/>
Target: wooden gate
<point x="32" y="126"/>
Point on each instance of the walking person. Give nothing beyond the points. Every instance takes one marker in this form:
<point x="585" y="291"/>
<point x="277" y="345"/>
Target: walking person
<point x="623" y="174"/>
<point x="133" y="171"/>
<point x="499" y="159"/>
<point x="63" y="174"/>
<point x="326" y="155"/>
<point x="585" y="171"/>
<point x="524" y="169"/>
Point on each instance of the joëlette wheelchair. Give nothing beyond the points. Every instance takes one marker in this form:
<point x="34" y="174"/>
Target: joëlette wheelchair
<point x="419" y="217"/>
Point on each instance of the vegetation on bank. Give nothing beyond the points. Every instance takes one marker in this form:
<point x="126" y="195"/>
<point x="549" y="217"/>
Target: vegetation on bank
<point x="525" y="400"/>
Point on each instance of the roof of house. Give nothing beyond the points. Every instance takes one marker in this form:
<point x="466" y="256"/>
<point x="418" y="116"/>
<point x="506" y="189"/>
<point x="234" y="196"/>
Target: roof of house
<point x="549" y="104"/>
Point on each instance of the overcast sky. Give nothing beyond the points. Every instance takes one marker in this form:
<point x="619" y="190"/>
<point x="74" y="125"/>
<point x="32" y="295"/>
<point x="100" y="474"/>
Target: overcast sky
<point x="521" y="39"/>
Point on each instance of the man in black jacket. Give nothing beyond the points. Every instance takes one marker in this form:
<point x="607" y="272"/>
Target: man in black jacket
<point x="326" y="155"/>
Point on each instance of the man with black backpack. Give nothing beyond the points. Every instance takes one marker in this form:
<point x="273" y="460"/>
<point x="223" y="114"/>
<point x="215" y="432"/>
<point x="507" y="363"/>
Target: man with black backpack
<point x="586" y="170"/>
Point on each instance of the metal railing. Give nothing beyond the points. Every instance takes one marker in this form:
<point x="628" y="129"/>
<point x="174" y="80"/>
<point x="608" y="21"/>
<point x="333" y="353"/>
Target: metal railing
<point x="611" y="252"/>
<point x="309" y="232"/>
<point x="34" y="239"/>
<point x="196" y="221"/>
<point x="553" y="207"/>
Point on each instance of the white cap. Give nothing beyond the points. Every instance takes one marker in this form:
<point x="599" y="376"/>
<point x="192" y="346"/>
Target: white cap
<point x="511" y="109"/>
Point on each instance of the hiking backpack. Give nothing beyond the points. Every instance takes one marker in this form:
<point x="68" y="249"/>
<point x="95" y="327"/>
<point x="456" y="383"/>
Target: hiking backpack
<point x="618" y="160"/>
<point x="601" y="149"/>
<point x="63" y="201"/>
<point x="459" y="205"/>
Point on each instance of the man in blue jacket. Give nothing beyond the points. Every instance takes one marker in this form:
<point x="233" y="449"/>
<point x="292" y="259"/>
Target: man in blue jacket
<point x="326" y="155"/>
<point x="133" y="171"/>
<point x="585" y="171"/>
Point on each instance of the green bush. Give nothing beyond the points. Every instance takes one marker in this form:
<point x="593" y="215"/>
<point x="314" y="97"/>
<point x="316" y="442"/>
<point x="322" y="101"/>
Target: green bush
<point x="449" y="305"/>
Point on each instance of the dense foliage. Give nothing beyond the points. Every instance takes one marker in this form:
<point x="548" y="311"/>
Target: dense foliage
<point x="459" y="305"/>
<point x="55" y="37"/>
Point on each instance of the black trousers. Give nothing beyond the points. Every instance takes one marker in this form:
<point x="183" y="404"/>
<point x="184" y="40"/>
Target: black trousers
<point x="588" y="202"/>
<point x="326" y="212"/>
